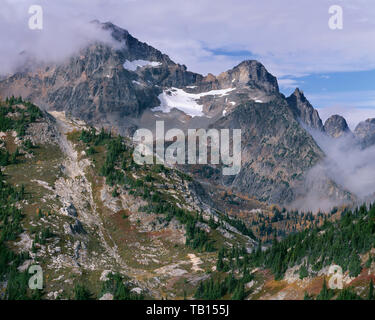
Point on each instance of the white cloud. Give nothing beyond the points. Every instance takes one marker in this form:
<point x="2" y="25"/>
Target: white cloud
<point x="286" y="83"/>
<point x="290" y="37"/>
<point x="64" y="32"/>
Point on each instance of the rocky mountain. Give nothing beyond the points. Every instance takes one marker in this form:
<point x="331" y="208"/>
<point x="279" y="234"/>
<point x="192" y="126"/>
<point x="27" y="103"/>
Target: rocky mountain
<point x="103" y="83"/>
<point x="304" y="111"/>
<point x="130" y="85"/>
<point x="336" y="126"/>
<point x="276" y="153"/>
<point x="133" y="84"/>
<point x="74" y="201"/>
<point x="365" y="131"/>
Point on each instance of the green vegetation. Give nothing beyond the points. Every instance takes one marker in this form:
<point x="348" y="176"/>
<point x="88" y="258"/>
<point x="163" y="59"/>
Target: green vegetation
<point x="213" y="290"/>
<point x="325" y="293"/>
<point x="371" y="291"/>
<point x="240" y="226"/>
<point x="335" y="242"/>
<point x="16" y="114"/>
<point x="80" y="292"/>
<point x="115" y="286"/>
<point x="233" y="285"/>
<point x="348" y="294"/>
<point x="10" y="216"/>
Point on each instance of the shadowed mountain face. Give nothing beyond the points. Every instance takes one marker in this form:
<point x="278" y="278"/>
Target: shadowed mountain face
<point x="133" y="84"/>
<point x="276" y="152"/>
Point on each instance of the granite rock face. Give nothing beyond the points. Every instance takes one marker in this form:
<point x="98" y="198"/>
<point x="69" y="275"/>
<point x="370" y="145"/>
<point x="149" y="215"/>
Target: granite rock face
<point x="336" y="126"/>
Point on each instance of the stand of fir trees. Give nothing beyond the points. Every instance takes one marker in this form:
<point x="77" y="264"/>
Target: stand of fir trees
<point x="339" y="242"/>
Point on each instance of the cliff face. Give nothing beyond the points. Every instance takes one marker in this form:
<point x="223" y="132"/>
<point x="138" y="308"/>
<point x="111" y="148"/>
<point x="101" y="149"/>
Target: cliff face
<point x="276" y="150"/>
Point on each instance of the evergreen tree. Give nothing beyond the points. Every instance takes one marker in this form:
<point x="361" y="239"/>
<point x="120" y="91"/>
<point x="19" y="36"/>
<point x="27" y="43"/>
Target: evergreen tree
<point x="325" y="293"/>
<point x="80" y="292"/>
<point x="307" y="296"/>
<point x="371" y="291"/>
<point x="239" y="292"/>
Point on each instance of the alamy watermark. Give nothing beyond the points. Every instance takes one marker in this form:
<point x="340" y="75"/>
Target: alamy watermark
<point x="218" y="141"/>
<point x="336" y="280"/>
<point x="36" y="18"/>
<point x="36" y="280"/>
<point x="336" y="20"/>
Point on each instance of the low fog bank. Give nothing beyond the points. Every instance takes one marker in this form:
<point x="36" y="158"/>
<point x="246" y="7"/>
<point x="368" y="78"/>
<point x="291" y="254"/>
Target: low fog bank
<point x="344" y="176"/>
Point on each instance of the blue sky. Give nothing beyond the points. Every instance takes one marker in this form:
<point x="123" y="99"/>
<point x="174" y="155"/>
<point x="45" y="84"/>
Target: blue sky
<point x="292" y="38"/>
<point x="351" y="94"/>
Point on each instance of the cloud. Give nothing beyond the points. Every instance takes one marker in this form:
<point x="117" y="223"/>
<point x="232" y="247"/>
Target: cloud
<point x="290" y="37"/>
<point x="286" y="83"/>
<point x="64" y="32"/>
<point x="346" y="165"/>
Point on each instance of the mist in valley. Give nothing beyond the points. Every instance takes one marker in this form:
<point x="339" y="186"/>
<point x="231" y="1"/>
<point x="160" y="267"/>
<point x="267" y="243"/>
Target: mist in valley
<point x="345" y="176"/>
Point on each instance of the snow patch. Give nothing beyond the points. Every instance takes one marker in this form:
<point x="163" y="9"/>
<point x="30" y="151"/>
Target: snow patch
<point x="186" y="102"/>
<point x="133" y="65"/>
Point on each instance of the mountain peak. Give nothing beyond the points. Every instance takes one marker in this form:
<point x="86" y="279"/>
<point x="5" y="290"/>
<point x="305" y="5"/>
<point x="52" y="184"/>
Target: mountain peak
<point x="250" y="73"/>
<point x="298" y="93"/>
<point x="304" y="111"/>
<point x="336" y="126"/>
<point x="365" y="131"/>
